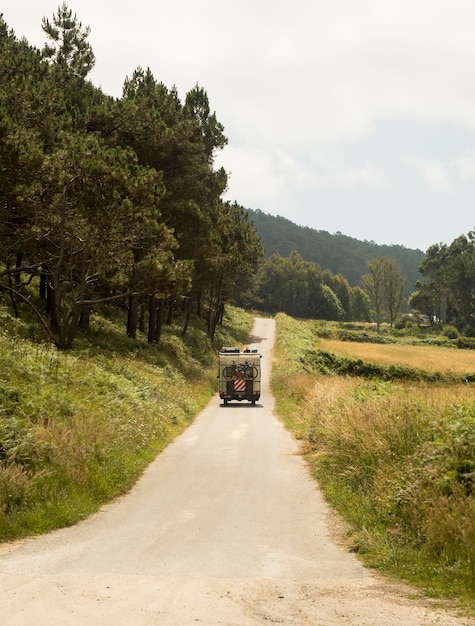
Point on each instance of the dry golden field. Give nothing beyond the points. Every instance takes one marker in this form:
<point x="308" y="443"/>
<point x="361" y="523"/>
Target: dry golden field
<point x="430" y="358"/>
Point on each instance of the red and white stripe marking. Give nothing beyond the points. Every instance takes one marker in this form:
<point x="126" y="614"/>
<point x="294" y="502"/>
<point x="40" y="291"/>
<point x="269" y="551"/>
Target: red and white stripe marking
<point x="239" y="385"/>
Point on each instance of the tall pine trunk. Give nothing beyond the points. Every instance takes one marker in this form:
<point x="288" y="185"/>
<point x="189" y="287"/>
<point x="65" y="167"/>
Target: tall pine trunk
<point x="133" y="316"/>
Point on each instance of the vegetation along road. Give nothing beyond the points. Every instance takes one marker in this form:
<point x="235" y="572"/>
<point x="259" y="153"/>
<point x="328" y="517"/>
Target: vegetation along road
<point x="225" y="527"/>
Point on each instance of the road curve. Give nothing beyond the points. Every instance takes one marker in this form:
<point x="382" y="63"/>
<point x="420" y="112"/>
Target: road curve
<point x="225" y="527"/>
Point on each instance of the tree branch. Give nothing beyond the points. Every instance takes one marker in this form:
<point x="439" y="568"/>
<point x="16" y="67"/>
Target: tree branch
<point x="44" y="325"/>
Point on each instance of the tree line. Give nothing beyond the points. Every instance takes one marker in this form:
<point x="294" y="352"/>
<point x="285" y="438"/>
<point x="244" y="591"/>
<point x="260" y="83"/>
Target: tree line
<point x="447" y="293"/>
<point x="303" y="289"/>
<point x="337" y="252"/>
<point x="118" y="200"/>
<point x="107" y="199"/>
<point x="438" y="285"/>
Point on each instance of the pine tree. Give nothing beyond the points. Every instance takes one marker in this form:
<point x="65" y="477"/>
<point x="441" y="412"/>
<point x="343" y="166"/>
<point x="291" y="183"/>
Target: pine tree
<point x="68" y="47"/>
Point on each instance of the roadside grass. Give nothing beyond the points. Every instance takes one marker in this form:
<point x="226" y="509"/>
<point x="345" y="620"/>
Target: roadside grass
<point x="395" y="456"/>
<point x="77" y="429"/>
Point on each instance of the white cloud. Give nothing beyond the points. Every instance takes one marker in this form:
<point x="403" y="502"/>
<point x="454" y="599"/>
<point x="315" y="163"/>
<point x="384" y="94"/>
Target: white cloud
<point x="254" y="179"/>
<point x="279" y="179"/>
<point x="465" y="165"/>
<point x="332" y="169"/>
<point x="433" y="172"/>
<point x="308" y="93"/>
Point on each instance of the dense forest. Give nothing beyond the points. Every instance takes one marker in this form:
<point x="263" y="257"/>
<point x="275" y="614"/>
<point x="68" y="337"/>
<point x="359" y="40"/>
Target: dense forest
<point x="108" y="199"/>
<point x="336" y="252"/>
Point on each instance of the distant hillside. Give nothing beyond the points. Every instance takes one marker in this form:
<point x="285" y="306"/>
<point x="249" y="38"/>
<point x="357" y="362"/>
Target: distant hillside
<point x="338" y="253"/>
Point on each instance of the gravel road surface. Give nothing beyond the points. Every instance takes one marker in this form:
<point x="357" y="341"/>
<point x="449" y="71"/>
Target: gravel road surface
<point x="225" y="527"/>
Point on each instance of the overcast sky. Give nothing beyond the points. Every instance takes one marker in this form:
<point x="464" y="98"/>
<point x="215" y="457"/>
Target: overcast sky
<point x="351" y="116"/>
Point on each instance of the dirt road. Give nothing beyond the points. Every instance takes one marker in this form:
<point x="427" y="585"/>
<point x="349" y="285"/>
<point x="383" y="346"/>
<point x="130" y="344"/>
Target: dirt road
<point x="225" y="527"/>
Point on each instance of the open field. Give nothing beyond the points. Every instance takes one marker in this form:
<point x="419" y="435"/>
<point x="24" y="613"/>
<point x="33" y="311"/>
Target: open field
<point x="429" y="358"/>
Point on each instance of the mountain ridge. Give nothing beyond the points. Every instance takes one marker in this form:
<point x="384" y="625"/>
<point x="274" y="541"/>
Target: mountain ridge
<point x="341" y="254"/>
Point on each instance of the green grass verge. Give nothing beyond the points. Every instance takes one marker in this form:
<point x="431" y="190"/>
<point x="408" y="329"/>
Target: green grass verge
<point x="77" y="429"/>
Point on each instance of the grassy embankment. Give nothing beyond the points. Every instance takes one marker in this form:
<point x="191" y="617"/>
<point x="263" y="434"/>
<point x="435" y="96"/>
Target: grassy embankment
<point x="389" y="432"/>
<point x="77" y="429"/>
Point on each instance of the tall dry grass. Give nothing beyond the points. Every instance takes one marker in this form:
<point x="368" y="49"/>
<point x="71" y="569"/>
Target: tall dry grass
<point x="429" y="358"/>
<point x="397" y="459"/>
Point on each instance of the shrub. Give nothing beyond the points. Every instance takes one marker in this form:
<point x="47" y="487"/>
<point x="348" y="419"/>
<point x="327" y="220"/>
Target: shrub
<point x="451" y="332"/>
<point x="18" y="444"/>
<point x="436" y="495"/>
<point x="466" y="343"/>
<point x="14" y="487"/>
<point x="362" y="337"/>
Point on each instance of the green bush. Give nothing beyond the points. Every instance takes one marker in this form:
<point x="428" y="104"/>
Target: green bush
<point x="451" y="332"/>
<point x="363" y="337"/>
<point x="14" y="488"/>
<point x="18" y="444"/>
<point x="435" y="497"/>
<point x="466" y="343"/>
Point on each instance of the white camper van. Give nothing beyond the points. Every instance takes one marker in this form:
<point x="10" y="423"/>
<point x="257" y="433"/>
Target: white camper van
<point x="239" y="375"/>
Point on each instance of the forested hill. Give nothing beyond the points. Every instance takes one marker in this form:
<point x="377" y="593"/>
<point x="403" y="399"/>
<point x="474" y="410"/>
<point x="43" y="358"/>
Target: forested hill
<point x="338" y="253"/>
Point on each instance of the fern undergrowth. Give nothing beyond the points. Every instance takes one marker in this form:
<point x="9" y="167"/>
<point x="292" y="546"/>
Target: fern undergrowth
<point x="77" y="429"/>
